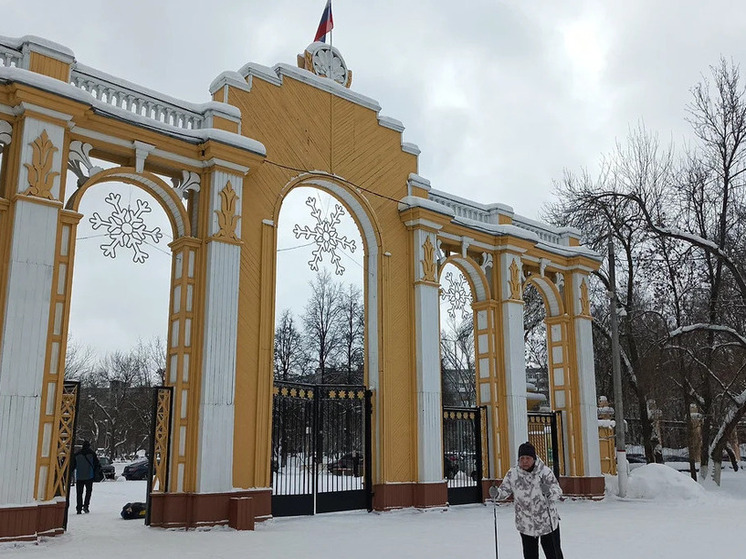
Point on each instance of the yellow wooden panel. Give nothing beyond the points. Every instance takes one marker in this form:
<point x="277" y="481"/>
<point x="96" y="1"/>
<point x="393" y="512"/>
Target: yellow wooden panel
<point x="42" y="64"/>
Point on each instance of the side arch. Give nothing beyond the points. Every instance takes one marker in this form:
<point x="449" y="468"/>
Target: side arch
<point x="152" y="184"/>
<point x="473" y="273"/>
<point x="549" y="293"/>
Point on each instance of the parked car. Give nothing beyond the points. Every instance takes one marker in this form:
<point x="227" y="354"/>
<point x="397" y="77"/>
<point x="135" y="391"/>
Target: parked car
<point x="136" y="470"/>
<point x="450" y="465"/>
<point x="350" y="464"/>
<point x="107" y="467"/>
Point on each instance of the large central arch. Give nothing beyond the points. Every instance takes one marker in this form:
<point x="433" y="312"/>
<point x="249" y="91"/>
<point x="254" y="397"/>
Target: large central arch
<point x="365" y="220"/>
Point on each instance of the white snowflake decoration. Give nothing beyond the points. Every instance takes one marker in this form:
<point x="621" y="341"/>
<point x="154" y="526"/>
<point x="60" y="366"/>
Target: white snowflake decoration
<point x="326" y="237"/>
<point x="458" y="295"/>
<point x="126" y="228"/>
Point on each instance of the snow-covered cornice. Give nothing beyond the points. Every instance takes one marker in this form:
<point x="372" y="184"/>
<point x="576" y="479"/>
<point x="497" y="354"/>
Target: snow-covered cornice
<point x="164" y="114"/>
<point x="485" y="218"/>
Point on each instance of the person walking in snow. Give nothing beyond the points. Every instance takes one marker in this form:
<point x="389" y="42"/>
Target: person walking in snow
<point x="85" y="465"/>
<point x="535" y="492"/>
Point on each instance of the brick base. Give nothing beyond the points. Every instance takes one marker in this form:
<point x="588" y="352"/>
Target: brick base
<point x="28" y="523"/>
<point x="239" y="509"/>
<point x="578" y="487"/>
<point x="400" y="495"/>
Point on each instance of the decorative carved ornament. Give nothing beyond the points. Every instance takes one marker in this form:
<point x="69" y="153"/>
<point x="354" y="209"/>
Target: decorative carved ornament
<point x="486" y="263"/>
<point x="428" y="263"/>
<point x="63" y="441"/>
<point x="227" y="218"/>
<point x="515" y="281"/>
<point x="326" y="62"/>
<point x="40" y="174"/>
<point x="585" y="303"/>
<point x="189" y="181"/>
<point x="79" y="161"/>
<point x="160" y="440"/>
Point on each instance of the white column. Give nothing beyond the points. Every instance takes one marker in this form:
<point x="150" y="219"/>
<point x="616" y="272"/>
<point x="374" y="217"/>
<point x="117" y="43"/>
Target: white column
<point x="586" y="381"/>
<point x="26" y="320"/>
<point x="217" y="395"/>
<point x="427" y="343"/>
<point x="514" y="359"/>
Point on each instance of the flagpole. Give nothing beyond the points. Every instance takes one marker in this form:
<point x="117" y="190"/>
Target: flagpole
<point x="331" y="95"/>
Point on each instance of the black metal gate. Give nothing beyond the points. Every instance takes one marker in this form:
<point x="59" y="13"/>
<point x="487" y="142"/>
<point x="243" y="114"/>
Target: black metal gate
<point x="462" y="454"/>
<point x="160" y="443"/>
<point x="320" y="449"/>
<point x="545" y="433"/>
<point x="66" y="431"/>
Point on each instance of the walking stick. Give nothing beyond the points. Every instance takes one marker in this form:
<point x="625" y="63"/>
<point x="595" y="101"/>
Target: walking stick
<point x="551" y="526"/>
<point x="493" y="495"/>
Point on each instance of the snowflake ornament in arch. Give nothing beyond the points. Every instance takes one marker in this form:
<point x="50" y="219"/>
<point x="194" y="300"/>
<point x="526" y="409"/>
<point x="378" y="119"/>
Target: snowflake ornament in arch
<point x="458" y="295"/>
<point x="325" y="236"/>
<point x="126" y="228"/>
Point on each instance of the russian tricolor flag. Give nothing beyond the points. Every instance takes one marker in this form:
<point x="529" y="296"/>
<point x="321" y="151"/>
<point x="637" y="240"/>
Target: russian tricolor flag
<point x="326" y="24"/>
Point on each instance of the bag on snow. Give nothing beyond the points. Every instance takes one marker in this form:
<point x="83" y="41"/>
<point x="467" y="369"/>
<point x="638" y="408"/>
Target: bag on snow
<point x="130" y="511"/>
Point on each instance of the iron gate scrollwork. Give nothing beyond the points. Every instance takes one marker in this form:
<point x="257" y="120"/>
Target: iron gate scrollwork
<point x="320" y="449"/>
<point x="463" y="463"/>
<point x="545" y="433"/>
<point x="62" y="470"/>
<point x="160" y="443"/>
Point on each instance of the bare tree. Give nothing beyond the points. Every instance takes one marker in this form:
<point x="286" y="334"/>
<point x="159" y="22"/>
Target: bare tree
<point x="79" y="359"/>
<point x="458" y="376"/>
<point x="352" y="330"/>
<point x="289" y="355"/>
<point x="322" y="320"/>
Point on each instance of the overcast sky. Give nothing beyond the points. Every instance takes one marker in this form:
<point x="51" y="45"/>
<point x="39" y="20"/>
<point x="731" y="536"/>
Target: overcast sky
<point x="499" y="96"/>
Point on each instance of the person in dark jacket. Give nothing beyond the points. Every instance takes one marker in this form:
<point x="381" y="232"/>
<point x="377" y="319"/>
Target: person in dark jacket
<point x="535" y="491"/>
<point x="85" y="465"/>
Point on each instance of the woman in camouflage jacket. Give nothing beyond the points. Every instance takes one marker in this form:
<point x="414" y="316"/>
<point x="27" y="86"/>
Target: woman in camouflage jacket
<point x="535" y="492"/>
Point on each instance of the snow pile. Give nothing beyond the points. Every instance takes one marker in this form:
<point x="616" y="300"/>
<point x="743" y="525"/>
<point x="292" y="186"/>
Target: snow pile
<point x="658" y="481"/>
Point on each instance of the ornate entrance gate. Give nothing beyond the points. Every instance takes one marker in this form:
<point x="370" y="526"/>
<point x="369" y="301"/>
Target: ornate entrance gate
<point x="544" y="432"/>
<point x="160" y="442"/>
<point x="320" y="449"/>
<point x="65" y="441"/>
<point x="462" y="454"/>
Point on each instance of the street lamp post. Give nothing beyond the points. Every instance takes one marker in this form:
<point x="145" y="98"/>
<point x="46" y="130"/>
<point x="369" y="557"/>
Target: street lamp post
<point x="621" y="447"/>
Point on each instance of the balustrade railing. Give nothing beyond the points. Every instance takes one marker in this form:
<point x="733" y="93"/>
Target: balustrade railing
<point x="491" y="215"/>
<point x="9" y="56"/>
<point x="139" y="101"/>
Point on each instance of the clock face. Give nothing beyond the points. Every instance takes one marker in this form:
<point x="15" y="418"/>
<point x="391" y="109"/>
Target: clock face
<point x="328" y="63"/>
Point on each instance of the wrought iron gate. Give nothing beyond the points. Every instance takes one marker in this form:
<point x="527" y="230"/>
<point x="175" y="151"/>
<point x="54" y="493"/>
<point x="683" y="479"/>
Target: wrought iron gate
<point x="320" y="449"/>
<point x="160" y="443"/>
<point x="545" y="433"/>
<point x="62" y="470"/>
<point x="463" y="459"/>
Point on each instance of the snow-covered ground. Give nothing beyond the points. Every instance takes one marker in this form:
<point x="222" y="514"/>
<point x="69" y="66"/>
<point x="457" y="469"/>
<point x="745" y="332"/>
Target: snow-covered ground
<point x="667" y="515"/>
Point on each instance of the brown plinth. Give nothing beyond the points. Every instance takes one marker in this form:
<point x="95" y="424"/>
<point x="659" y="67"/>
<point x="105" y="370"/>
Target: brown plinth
<point x="238" y="509"/>
<point x="584" y="487"/>
<point x="400" y="495"/>
<point x="29" y="522"/>
<point x="579" y="487"/>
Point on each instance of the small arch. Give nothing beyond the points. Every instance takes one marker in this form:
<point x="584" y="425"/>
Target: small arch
<point x="152" y="184"/>
<point x="357" y="206"/>
<point x="549" y="293"/>
<point x="473" y="274"/>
